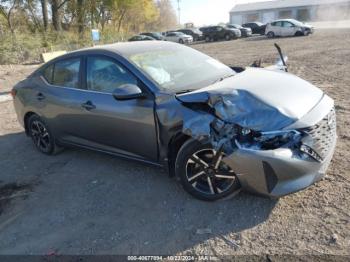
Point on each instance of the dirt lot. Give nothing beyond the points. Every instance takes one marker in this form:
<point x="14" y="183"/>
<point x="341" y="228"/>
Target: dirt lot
<point x="82" y="202"/>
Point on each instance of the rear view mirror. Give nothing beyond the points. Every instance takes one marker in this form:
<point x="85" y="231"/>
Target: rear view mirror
<point x="127" y="91"/>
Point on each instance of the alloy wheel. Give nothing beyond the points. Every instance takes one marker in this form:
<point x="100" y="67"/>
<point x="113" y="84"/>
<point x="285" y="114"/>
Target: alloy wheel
<point x="40" y="136"/>
<point x="208" y="174"/>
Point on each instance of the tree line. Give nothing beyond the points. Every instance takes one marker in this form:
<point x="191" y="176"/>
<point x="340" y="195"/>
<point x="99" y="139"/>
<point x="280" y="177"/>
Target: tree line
<point x="41" y="16"/>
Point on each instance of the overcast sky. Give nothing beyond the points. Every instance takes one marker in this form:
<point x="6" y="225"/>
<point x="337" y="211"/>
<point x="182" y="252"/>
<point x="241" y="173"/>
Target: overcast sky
<point x="205" y="12"/>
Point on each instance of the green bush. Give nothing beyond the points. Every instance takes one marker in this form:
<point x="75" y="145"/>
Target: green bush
<point x="27" y="48"/>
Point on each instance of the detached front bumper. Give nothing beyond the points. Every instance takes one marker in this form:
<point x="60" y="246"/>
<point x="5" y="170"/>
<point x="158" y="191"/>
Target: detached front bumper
<point x="276" y="173"/>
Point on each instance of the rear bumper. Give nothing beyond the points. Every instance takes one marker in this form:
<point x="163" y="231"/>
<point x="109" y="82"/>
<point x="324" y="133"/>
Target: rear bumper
<point x="275" y="173"/>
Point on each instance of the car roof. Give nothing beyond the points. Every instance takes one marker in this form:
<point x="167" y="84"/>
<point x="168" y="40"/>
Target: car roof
<point x="129" y="48"/>
<point x="281" y="20"/>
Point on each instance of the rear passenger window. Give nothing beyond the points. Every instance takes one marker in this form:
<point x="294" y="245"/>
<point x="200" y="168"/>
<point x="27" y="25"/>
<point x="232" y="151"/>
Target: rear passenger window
<point x="47" y="73"/>
<point x="66" y="73"/>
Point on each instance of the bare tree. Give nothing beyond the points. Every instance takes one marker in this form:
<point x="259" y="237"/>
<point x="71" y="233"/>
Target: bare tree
<point x="45" y="14"/>
<point x="56" y="5"/>
<point x="81" y="15"/>
<point x="7" y="10"/>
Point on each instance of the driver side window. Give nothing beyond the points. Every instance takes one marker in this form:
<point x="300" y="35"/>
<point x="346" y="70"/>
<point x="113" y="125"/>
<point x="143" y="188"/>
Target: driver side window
<point x="105" y="75"/>
<point x="279" y="23"/>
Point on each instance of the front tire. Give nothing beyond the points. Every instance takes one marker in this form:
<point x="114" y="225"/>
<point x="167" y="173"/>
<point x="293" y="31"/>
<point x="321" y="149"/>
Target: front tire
<point x="181" y="41"/>
<point x="42" y="137"/>
<point x="203" y="174"/>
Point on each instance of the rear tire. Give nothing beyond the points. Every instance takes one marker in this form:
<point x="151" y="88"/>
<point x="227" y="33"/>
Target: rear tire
<point x="42" y="137"/>
<point x="270" y="34"/>
<point x="203" y="174"/>
<point x="208" y="39"/>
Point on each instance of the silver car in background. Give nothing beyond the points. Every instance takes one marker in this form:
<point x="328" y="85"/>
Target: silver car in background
<point x="288" y="27"/>
<point x="178" y="37"/>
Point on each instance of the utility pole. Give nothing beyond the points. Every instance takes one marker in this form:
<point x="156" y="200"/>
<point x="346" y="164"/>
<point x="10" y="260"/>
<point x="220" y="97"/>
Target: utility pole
<point x="179" y="10"/>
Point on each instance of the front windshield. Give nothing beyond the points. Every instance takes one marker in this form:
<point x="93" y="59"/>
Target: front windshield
<point x="180" y="68"/>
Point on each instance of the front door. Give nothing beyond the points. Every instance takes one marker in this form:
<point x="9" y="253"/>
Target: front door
<point x="123" y="126"/>
<point x="288" y="29"/>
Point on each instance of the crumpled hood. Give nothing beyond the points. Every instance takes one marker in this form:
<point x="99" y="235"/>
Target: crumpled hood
<point x="259" y="99"/>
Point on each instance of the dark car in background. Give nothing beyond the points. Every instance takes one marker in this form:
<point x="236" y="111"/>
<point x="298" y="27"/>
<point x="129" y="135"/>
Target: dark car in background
<point x="155" y="35"/>
<point x="194" y="32"/>
<point x="141" y="38"/>
<point x="256" y="27"/>
<point x="245" y="31"/>
<point x="215" y="33"/>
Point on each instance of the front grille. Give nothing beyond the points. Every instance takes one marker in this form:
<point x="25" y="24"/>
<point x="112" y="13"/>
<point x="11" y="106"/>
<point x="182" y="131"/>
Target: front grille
<point x="323" y="134"/>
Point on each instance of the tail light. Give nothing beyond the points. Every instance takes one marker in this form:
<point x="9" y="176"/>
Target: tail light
<point x="13" y="93"/>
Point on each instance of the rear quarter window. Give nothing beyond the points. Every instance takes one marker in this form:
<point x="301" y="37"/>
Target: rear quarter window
<point x="47" y="73"/>
<point x="66" y="73"/>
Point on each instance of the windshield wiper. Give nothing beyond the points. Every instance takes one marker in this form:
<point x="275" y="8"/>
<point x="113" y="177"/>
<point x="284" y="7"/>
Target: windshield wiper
<point x="184" y="91"/>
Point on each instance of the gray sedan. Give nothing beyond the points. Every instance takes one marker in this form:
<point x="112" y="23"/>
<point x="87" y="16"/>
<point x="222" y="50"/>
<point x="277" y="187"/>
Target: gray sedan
<point x="217" y="129"/>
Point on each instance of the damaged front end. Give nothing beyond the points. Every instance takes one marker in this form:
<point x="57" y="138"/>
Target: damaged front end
<point x="267" y="156"/>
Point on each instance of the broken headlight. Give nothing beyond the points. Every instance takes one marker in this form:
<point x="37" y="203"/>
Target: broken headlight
<point x="248" y="138"/>
<point x="309" y="151"/>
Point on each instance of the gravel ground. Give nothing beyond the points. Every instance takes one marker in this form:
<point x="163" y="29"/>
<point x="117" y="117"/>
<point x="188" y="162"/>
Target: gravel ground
<point x="82" y="202"/>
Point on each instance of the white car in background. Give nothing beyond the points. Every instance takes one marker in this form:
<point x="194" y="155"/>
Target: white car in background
<point x="287" y="27"/>
<point x="178" y="37"/>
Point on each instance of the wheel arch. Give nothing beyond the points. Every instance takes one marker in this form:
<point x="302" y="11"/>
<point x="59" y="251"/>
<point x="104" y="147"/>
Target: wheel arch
<point x="174" y="146"/>
<point x="25" y="121"/>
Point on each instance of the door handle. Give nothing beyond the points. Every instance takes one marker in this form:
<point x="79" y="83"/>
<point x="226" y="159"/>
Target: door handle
<point x="88" y="105"/>
<point x="40" y="96"/>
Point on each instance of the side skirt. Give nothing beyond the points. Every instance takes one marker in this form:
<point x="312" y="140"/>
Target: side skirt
<point x="70" y="144"/>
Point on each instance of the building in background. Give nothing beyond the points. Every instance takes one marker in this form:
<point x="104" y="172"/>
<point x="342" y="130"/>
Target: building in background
<point x="303" y="10"/>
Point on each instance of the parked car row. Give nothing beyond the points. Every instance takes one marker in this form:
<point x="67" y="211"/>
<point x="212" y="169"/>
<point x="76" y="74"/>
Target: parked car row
<point x="282" y="27"/>
<point x="172" y="36"/>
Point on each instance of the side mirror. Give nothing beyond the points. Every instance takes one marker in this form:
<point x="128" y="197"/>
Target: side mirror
<point x="127" y="91"/>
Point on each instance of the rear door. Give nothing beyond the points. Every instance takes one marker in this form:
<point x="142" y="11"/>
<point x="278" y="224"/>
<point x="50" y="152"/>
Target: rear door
<point x="60" y="101"/>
